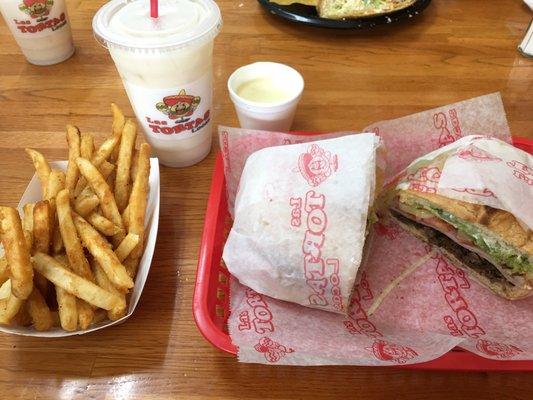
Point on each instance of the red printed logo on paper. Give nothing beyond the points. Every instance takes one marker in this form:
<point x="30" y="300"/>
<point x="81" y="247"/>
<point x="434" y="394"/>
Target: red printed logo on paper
<point x="474" y="153"/>
<point x="273" y="351"/>
<point x="37" y="9"/>
<point x="440" y="121"/>
<point x="262" y="321"/>
<point x="495" y="349"/>
<point x="317" y="165"/>
<point x="476" y="192"/>
<point x="424" y="180"/>
<point x="390" y="230"/>
<point x="522" y="171"/>
<point x="179" y="107"/>
<point x="386" y="351"/>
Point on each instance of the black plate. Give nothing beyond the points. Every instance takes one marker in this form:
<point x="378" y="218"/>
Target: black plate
<point x="308" y="15"/>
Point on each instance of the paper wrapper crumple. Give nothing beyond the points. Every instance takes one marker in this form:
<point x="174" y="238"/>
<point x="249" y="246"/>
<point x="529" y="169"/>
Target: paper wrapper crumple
<point x="434" y="309"/>
<point x="301" y="220"/>
<point x="33" y="194"/>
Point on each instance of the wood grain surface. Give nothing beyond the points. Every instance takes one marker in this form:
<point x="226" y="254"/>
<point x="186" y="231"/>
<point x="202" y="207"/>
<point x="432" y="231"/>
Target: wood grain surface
<point x="455" y="50"/>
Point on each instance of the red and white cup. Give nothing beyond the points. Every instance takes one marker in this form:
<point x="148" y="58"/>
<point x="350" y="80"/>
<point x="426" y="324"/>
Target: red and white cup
<point x="41" y="29"/>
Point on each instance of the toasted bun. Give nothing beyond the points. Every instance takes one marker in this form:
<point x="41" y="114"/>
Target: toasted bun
<point x="340" y="9"/>
<point x="502" y="288"/>
<point x="499" y="222"/>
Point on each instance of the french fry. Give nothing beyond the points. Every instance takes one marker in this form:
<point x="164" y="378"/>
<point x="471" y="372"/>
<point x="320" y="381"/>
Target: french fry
<point x="16" y="252"/>
<point x="27" y="224"/>
<point x="74" y="310"/>
<point x="126" y="246"/>
<point x="72" y="283"/>
<point x="73" y="140"/>
<point x="126" y="217"/>
<point x="102" y="190"/>
<point x="100" y="250"/>
<point x="9" y="308"/>
<point x="67" y="308"/>
<point x="22" y="318"/>
<point x="39" y="311"/>
<point x="134" y="163"/>
<point x="122" y="180"/>
<point x="97" y="159"/>
<point x="131" y="265"/>
<point x="56" y="183"/>
<point x="4" y="271"/>
<point x="118" y="126"/>
<point x="71" y="240"/>
<point x="104" y="282"/>
<point x="139" y="199"/>
<point x="42" y="168"/>
<point x="87" y="201"/>
<point x="85" y="313"/>
<point x="41" y="226"/>
<point x="86" y="145"/>
<point x="102" y="224"/>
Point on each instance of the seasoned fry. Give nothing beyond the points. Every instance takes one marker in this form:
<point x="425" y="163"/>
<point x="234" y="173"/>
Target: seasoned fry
<point x="76" y="310"/>
<point x="56" y="183"/>
<point x="122" y="180"/>
<point x="97" y="159"/>
<point x="87" y="201"/>
<point x="16" y="252"/>
<point x="139" y="199"/>
<point x="68" y="310"/>
<point x="104" y="282"/>
<point x="9" y="308"/>
<point x="126" y="246"/>
<point x="102" y="190"/>
<point x="134" y="163"/>
<point x="85" y="314"/>
<point x="77" y="261"/>
<point x="131" y="265"/>
<point x="22" y="318"/>
<point x="72" y="283"/>
<point x="102" y="224"/>
<point x="86" y="145"/>
<point x="118" y="126"/>
<point x="42" y="168"/>
<point x="38" y="309"/>
<point x="126" y="217"/>
<point x="27" y="224"/>
<point x="4" y="271"/>
<point x="99" y="316"/>
<point x="73" y="140"/>
<point x="41" y="226"/>
<point x="100" y="250"/>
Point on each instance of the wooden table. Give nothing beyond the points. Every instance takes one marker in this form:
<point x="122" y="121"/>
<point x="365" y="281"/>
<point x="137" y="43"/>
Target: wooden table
<point x="454" y="50"/>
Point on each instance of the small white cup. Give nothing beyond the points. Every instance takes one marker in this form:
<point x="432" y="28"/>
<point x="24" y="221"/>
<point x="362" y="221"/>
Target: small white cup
<point x="271" y="116"/>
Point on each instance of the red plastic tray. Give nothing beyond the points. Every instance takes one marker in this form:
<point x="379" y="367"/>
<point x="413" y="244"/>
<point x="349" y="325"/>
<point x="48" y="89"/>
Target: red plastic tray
<point x="211" y="292"/>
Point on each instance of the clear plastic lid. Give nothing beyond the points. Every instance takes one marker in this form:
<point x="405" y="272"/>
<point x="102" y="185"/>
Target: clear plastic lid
<point x="181" y="23"/>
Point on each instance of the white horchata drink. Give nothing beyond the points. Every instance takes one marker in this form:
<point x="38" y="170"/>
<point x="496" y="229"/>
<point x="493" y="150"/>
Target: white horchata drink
<point x="166" y="68"/>
<point x="41" y="29"/>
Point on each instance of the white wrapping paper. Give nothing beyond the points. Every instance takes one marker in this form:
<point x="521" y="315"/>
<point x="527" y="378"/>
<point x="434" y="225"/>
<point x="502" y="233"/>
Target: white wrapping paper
<point x="300" y="220"/>
<point x="432" y="310"/>
<point x="32" y="194"/>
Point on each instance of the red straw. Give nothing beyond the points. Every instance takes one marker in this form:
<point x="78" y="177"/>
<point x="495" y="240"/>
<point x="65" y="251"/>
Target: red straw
<point x="154" y="9"/>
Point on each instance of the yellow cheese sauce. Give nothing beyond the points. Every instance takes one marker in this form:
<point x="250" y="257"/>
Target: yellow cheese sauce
<point x="263" y="90"/>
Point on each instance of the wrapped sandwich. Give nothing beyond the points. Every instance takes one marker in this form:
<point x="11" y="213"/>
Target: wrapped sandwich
<point x="473" y="200"/>
<point x="301" y="220"/>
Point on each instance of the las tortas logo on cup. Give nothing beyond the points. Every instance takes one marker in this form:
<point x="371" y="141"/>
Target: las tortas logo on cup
<point x="179" y="109"/>
<point x="39" y="12"/>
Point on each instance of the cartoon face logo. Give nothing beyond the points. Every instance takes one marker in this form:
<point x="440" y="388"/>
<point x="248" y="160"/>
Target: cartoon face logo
<point x="179" y="107"/>
<point x="386" y="351"/>
<point x="522" y="171"/>
<point x="474" y="153"/>
<point x="424" y="180"/>
<point x="499" y="350"/>
<point x="317" y="165"/>
<point x="38" y="9"/>
<point x="273" y="351"/>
